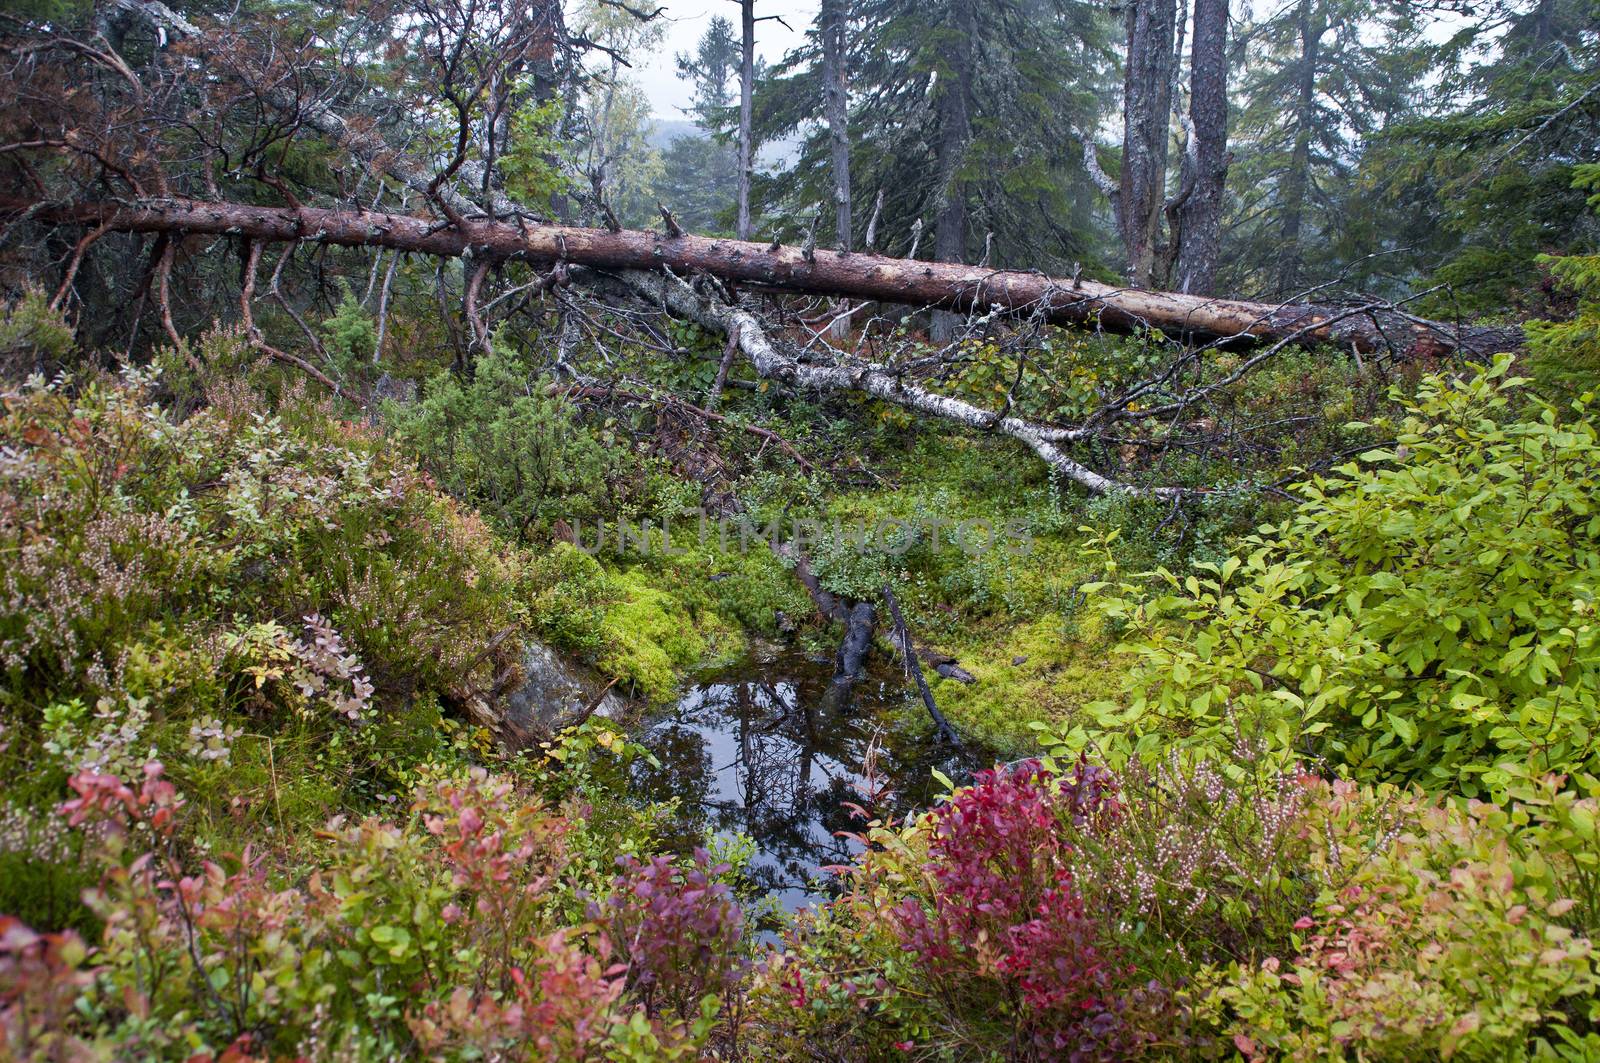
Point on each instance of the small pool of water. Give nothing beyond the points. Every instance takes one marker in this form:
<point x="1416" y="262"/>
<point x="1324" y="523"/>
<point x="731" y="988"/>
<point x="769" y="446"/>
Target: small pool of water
<point x="764" y="749"/>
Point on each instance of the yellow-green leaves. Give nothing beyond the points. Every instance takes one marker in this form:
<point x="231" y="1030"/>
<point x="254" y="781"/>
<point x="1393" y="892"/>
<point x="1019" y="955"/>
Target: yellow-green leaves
<point x="1423" y="615"/>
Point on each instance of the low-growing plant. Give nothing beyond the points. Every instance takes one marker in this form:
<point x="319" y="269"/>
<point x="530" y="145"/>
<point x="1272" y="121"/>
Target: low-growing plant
<point x="500" y="442"/>
<point x="1206" y="862"/>
<point x="444" y="929"/>
<point x="966" y="934"/>
<point x="1435" y="938"/>
<point x="1428" y="613"/>
<point x="679" y="930"/>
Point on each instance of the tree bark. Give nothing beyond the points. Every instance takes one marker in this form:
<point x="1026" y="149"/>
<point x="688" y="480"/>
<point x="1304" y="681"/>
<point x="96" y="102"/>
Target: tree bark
<point x="1146" y="123"/>
<point x="747" y="87"/>
<point x="788" y="269"/>
<point x="1200" y="217"/>
<point x="955" y="134"/>
<point x="835" y="107"/>
<point x="908" y="655"/>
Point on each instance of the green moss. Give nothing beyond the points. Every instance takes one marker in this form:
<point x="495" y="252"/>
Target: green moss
<point x="655" y="620"/>
<point x="1040" y="671"/>
<point x="653" y="637"/>
<point x="46" y="894"/>
<point x="747" y="588"/>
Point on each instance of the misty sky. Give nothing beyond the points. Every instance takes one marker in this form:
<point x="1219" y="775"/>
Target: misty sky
<point x="686" y="21"/>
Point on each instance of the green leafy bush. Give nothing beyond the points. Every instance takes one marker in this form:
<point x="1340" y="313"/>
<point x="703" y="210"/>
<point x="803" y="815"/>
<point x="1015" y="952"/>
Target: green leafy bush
<point x="1427" y="613"/>
<point x="532" y="158"/>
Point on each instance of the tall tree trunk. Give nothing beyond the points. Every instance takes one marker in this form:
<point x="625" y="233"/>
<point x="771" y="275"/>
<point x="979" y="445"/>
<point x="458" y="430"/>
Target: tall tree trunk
<point x="835" y="107"/>
<point x="1313" y="23"/>
<point x="747" y="87"/>
<point x="1146" y="122"/>
<point x="955" y="134"/>
<point x="1200" y="217"/>
<point x="1544" y="22"/>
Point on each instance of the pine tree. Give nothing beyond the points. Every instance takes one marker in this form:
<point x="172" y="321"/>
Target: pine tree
<point x="713" y="70"/>
<point x="964" y="115"/>
<point x="700" y="173"/>
<point x="1321" y="75"/>
<point x="1487" y="175"/>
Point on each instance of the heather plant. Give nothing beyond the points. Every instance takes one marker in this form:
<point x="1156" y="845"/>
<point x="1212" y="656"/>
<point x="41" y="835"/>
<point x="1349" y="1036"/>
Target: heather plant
<point x="262" y="598"/>
<point x="1205" y="863"/>
<point x="1444" y="935"/>
<point x="1309" y="920"/>
<point x="1005" y="909"/>
<point x="42" y="877"/>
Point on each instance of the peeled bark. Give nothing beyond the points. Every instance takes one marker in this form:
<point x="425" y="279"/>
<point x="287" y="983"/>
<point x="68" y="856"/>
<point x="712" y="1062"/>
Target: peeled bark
<point x="857" y="276"/>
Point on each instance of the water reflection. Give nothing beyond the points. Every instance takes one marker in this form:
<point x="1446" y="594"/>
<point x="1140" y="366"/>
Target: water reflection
<point x="758" y="751"/>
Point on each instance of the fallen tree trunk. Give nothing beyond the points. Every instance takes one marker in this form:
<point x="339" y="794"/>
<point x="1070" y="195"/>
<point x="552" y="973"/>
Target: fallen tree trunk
<point x="821" y="272"/>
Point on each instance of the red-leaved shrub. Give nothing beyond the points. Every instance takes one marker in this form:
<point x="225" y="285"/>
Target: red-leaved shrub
<point x="1003" y="934"/>
<point x="679" y="931"/>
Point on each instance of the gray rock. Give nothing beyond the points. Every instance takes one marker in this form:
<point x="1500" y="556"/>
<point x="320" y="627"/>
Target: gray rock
<point x="553" y="694"/>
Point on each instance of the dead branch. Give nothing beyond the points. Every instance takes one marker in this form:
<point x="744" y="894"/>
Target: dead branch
<point x="594" y="392"/>
<point x="908" y="655"/>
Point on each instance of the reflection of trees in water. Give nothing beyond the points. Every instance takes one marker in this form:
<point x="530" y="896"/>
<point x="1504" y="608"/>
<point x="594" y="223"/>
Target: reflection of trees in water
<point x="686" y="773"/>
<point x="757" y="756"/>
